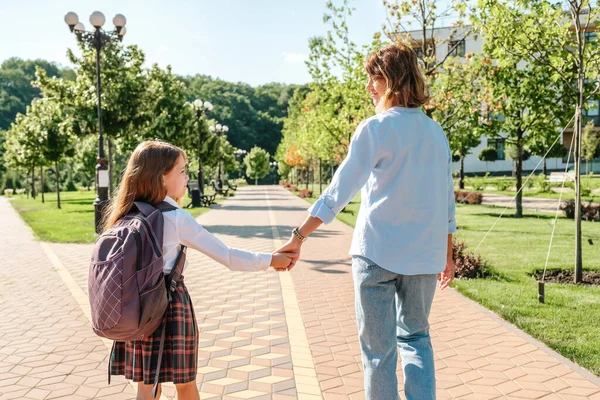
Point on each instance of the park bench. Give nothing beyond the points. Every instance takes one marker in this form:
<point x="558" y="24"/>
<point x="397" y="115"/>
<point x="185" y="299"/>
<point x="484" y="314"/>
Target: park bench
<point x="231" y="187"/>
<point x="205" y="199"/>
<point x="219" y="189"/>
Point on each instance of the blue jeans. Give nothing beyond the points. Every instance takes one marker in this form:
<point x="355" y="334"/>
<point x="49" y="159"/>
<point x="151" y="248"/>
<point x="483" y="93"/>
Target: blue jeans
<point x="393" y="310"/>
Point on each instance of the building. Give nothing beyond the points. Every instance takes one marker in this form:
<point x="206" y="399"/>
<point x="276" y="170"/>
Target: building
<point x="504" y="165"/>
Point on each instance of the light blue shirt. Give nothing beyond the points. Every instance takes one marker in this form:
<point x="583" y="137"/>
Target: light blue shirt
<point x="401" y="160"/>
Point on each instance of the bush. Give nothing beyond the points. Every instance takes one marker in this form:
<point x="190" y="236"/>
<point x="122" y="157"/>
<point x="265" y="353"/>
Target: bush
<point x="488" y="154"/>
<point x="468" y="265"/>
<point x="468" y="197"/>
<point x="589" y="212"/>
<point x="70" y="186"/>
<point x="285" y="184"/>
<point x="304" y="193"/>
<point x="478" y="183"/>
<point x="502" y="184"/>
<point x="19" y="191"/>
<point x="541" y="183"/>
<point x="9" y="192"/>
<point x="293" y="188"/>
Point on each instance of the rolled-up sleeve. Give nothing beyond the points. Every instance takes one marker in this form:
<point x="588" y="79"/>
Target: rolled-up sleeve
<point x="193" y="235"/>
<point x="451" y="201"/>
<point x="350" y="177"/>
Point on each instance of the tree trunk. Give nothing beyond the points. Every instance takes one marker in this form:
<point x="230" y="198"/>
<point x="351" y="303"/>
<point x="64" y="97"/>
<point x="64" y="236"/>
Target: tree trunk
<point x="307" y="177"/>
<point x="42" y="181"/>
<point x="57" y="184"/>
<point x="320" y="176"/>
<point x="577" y="157"/>
<point x="519" y="175"/>
<point x="461" y="182"/>
<point x="110" y="168"/>
<point x="332" y="171"/>
<point x="587" y="167"/>
<point x="255" y="181"/>
<point x="544" y="169"/>
<point x="33" y="193"/>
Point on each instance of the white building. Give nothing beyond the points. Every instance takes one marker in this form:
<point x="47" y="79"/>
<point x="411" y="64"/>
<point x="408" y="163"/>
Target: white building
<point x="504" y="165"/>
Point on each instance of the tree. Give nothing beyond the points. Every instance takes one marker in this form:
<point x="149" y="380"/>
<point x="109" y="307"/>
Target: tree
<point x="527" y="102"/>
<point x="544" y="144"/>
<point x="488" y="154"/>
<point x="321" y="121"/>
<point x="164" y="112"/>
<point x="460" y="94"/>
<point x="123" y="89"/>
<point x="591" y="141"/>
<point x="541" y="33"/>
<point x="16" y="91"/>
<point x="56" y="134"/>
<point x="254" y="115"/>
<point x="418" y="23"/>
<point x="257" y="164"/>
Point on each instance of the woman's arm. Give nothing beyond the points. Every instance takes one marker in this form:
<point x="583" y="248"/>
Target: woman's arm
<point x="350" y="177"/>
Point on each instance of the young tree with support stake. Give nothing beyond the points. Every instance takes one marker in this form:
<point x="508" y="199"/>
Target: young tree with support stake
<point x="542" y="33"/>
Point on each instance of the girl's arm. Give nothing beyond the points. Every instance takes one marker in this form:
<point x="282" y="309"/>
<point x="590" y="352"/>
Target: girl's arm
<point x="193" y="235"/>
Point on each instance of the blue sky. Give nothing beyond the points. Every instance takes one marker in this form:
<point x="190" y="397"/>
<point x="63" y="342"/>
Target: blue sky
<point x="253" y="41"/>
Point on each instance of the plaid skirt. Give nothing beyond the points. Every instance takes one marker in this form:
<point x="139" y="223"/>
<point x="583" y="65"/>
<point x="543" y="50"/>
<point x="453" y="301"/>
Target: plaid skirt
<point x="137" y="360"/>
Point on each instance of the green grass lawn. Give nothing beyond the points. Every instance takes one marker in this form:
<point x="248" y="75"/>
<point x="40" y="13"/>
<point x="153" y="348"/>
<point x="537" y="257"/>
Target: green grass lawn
<point x="568" y="321"/>
<point x="74" y="222"/>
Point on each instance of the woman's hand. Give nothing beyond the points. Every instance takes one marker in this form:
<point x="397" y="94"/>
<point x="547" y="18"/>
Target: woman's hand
<point x="446" y="277"/>
<point x="291" y="249"/>
<point x="281" y="261"/>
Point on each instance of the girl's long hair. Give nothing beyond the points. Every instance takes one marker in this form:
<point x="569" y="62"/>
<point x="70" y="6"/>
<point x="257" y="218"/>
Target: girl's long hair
<point x="143" y="178"/>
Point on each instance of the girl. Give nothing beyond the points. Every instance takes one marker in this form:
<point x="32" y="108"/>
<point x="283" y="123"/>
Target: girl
<point x="156" y="172"/>
<point x="401" y="160"/>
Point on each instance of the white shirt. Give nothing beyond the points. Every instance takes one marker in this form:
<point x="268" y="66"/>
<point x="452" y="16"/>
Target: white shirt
<point x="180" y="228"/>
<point x="401" y="160"/>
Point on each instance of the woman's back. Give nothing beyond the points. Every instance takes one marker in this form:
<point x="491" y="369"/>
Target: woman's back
<point x="401" y="160"/>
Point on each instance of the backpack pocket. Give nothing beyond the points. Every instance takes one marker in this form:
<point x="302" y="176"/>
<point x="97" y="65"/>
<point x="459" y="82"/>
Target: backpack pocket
<point x="106" y="292"/>
<point x="153" y="303"/>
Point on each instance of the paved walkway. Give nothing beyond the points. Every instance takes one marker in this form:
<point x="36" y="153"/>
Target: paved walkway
<point x="263" y="336"/>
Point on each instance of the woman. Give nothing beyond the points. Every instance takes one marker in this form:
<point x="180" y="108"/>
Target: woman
<point x="403" y="237"/>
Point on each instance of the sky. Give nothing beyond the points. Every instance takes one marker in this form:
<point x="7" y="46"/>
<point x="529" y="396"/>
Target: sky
<point x="252" y="41"/>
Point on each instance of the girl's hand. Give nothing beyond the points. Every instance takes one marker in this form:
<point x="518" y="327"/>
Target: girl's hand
<point x="281" y="261"/>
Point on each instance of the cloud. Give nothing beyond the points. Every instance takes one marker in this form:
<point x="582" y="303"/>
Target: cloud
<point x="163" y="48"/>
<point x="293" y="58"/>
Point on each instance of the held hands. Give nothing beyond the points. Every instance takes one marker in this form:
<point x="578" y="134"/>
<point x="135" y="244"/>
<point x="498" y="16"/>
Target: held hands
<point x="281" y="261"/>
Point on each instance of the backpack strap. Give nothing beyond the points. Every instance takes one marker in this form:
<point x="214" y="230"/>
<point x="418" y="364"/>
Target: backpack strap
<point x="160" y="354"/>
<point x="112" y="350"/>
<point x="171" y="282"/>
<point x="164" y="206"/>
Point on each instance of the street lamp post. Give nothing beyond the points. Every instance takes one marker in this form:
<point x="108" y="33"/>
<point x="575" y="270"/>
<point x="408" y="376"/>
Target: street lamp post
<point x="200" y="108"/>
<point x="274" y="165"/>
<point x="219" y="130"/>
<point x="240" y="153"/>
<point x="98" y="38"/>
